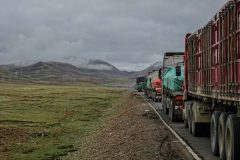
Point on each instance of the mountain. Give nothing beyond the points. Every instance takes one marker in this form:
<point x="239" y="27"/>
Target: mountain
<point x="97" y="71"/>
<point x="91" y="64"/>
<point x="155" y="66"/>
<point x="100" y="65"/>
<point x="94" y="70"/>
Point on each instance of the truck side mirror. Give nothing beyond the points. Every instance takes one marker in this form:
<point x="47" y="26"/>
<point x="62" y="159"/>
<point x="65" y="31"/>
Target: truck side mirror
<point x="178" y="71"/>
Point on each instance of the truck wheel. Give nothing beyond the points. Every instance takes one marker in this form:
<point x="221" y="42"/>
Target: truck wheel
<point x="214" y="132"/>
<point x="168" y="107"/>
<point x="221" y="134"/>
<point x="196" y="127"/>
<point x="171" y="111"/>
<point x="185" y="121"/>
<point x="186" y="116"/>
<point x="156" y="99"/>
<point x="190" y="121"/>
<point x="232" y="138"/>
<point x="165" y="106"/>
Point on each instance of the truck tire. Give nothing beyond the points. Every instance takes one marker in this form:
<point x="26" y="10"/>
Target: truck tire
<point x="171" y="110"/>
<point x="164" y="104"/>
<point x="165" y="109"/>
<point x="214" y="132"/>
<point x="196" y="127"/>
<point x="153" y="98"/>
<point x="167" y="106"/>
<point x="190" y="121"/>
<point x="185" y="121"/>
<point x="232" y="138"/>
<point x="156" y="99"/>
<point x="221" y="134"/>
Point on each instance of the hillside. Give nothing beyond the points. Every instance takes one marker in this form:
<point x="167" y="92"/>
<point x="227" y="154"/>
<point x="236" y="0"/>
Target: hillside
<point x="95" y="71"/>
<point x="155" y="66"/>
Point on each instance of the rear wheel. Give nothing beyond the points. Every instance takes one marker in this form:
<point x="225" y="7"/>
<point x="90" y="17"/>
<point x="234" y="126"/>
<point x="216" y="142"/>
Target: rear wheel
<point x="196" y="127"/>
<point x="185" y="121"/>
<point x="190" y="121"/>
<point x="232" y="142"/>
<point x="221" y="134"/>
<point x="214" y="132"/>
<point x="164" y="104"/>
<point x="153" y="98"/>
<point x="185" y="118"/>
<point x="171" y="110"/>
<point x="165" y="109"/>
<point x="156" y="97"/>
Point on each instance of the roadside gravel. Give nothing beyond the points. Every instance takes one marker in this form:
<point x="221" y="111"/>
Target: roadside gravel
<point x="134" y="132"/>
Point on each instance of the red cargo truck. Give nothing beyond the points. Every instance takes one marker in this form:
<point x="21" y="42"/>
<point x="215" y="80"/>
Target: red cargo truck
<point x="212" y="81"/>
<point x="156" y="86"/>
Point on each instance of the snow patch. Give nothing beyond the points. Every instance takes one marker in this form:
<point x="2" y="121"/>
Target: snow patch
<point x="98" y="67"/>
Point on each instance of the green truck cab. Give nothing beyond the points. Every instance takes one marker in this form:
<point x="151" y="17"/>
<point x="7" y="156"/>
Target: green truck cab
<point x="141" y="84"/>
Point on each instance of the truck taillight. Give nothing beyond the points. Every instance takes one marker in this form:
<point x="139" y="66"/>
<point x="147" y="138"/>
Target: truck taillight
<point x="179" y="98"/>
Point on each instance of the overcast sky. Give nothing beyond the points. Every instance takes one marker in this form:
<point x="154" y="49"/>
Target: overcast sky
<point x="130" y="34"/>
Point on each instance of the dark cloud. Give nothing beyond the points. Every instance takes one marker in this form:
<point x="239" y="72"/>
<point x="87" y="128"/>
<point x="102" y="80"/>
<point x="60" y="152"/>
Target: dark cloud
<point x="129" y="33"/>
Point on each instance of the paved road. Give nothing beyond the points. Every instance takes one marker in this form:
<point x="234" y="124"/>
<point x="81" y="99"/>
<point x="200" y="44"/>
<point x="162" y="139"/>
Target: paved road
<point x="200" y="145"/>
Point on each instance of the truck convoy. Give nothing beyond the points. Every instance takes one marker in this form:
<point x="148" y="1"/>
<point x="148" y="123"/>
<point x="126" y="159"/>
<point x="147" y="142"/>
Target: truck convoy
<point x="211" y="90"/>
<point x="172" y="85"/>
<point x="204" y="90"/>
<point x="153" y="86"/>
<point x="212" y="81"/>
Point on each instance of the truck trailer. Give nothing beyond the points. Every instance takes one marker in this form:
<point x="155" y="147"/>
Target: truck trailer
<point x="212" y="81"/>
<point x="172" y="88"/>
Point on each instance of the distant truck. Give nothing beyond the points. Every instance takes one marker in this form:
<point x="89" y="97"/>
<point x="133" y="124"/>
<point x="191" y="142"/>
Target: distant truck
<point x="148" y="88"/>
<point x="172" y="85"/>
<point x="141" y="84"/>
<point x="156" y="86"/>
<point x="212" y="81"/>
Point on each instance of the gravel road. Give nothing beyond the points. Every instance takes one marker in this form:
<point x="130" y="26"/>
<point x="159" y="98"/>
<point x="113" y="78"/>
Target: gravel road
<point x="200" y="145"/>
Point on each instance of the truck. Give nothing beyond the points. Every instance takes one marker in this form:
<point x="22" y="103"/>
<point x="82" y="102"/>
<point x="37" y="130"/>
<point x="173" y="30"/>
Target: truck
<point x="148" y="86"/>
<point x="156" y="87"/>
<point x="172" y="85"/>
<point x="141" y="83"/>
<point x="212" y="81"/>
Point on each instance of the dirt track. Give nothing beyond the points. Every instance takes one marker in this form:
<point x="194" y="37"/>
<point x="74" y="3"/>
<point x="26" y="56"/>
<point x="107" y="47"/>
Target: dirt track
<point x="133" y="133"/>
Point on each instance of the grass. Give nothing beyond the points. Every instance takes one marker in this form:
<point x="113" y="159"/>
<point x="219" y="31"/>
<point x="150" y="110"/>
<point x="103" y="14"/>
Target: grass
<point x="51" y="117"/>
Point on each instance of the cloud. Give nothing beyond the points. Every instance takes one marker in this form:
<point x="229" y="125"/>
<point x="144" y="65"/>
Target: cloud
<point x="130" y="34"/>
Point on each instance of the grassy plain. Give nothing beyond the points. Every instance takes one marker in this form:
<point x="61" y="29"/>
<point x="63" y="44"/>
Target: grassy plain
<point x="44" y="121"/>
